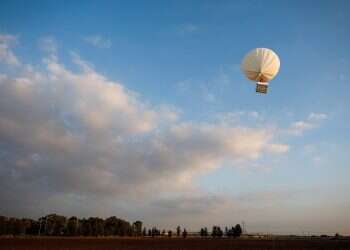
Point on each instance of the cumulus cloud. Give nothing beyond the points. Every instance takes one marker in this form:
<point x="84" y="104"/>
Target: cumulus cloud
<point x="71" y="137"/>
<point x="98" y="41"/>
<point x="6" y="54"/>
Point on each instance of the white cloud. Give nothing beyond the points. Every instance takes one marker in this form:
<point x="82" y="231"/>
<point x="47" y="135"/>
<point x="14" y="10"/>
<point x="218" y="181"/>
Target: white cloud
<point x="299" y="127"/>
<point x="72" y="134"/>
<point x="6" y="54"/>
<point x="98" y="41"/>
<point x="48" y="44"/>
<point x="317" y="117"/>
<point x="239" y="117"/>
<point x="312" y="121"/>
<point x="278" y="148"/>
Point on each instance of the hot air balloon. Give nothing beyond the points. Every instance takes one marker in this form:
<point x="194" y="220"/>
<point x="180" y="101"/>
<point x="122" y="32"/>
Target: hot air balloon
<point x="261" y="65"/>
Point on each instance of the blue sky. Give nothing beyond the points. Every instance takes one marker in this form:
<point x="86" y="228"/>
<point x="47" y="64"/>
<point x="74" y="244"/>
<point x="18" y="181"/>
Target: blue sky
<point x="154" y="47"/>
<point x="182" y="59"/>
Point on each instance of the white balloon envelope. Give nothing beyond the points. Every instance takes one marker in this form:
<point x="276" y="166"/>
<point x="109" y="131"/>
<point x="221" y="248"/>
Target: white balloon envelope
<point x="261" y="65"/>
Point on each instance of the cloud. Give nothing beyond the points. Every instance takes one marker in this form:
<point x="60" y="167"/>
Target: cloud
<point x="314" y="153"/>
<point x="258" y="208"/>
<point x="239" y="117"/>
<point x="312" y="121"/>
<point x="315" y="117"/>
<point x="278" y="148"/>
<point x="98" y="41"/>
<point x="48" y="44"/>
<point x="76" y="142"/>
<point x="300" y="126"/>
<point x="6" y="54"/>
<point x="210" y="91"/>
<point x="71" y="136"/>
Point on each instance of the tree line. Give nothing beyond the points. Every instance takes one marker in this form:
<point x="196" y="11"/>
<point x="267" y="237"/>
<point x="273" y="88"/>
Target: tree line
<point x="218" y="232"/>
<point x="58" y="225"/>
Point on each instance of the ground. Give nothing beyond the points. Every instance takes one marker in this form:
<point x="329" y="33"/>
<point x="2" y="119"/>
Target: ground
<point x="89" y="243"/>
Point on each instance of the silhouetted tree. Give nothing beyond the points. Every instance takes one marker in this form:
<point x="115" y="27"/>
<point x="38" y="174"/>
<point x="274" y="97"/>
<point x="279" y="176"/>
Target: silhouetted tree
<point x="206" y="232"/>
<point x="137" y="228"/>
<point x="178" y="231"/>
<point x="155" y="232"/>
<point x="115" y="226"/>
<point x="3" y="225"/>
<point x="29" y="226"/>
<point x="54" y="224"/>
<point x="96" y="226"/>
<point x="220" y="232"/>
<point x="184" y="233"/>
<point x="73" y="226"/>
<point x="85" y="227"/>
<point x="124" y="228"/>
<point x="17" y="226"/>
<point x="111" y="226"/>
<point x="216" y="232"/>
<point x="238" y="230"/>
<point x="230" y="232"/>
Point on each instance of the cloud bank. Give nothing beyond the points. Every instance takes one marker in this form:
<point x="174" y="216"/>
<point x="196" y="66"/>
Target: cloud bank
<point x="76" y="142"/>
<point x="79" y="134"/>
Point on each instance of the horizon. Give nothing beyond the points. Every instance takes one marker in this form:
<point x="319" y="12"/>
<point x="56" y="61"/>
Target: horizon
<point x="209" y="228"/>
<point x="140" y="110"/>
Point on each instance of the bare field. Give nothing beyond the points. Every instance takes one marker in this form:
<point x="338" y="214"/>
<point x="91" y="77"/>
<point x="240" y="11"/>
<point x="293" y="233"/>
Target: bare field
<point x="80" y="243"/>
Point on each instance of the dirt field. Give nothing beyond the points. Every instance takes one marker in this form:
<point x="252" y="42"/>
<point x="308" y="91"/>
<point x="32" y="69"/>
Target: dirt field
<point x="66" y="243"/>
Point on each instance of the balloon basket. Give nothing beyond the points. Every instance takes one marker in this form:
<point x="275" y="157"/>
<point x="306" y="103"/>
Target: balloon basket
<point x="261" y="88"/>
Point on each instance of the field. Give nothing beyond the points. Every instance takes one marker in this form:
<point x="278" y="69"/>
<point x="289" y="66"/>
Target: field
<point x="66" y="243"/>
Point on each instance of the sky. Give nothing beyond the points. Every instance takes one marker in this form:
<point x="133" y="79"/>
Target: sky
<point x="139" y="109"/>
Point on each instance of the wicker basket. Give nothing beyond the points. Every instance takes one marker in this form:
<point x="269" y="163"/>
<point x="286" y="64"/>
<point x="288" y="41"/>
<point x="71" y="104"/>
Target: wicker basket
<point x="261" y="88"/>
